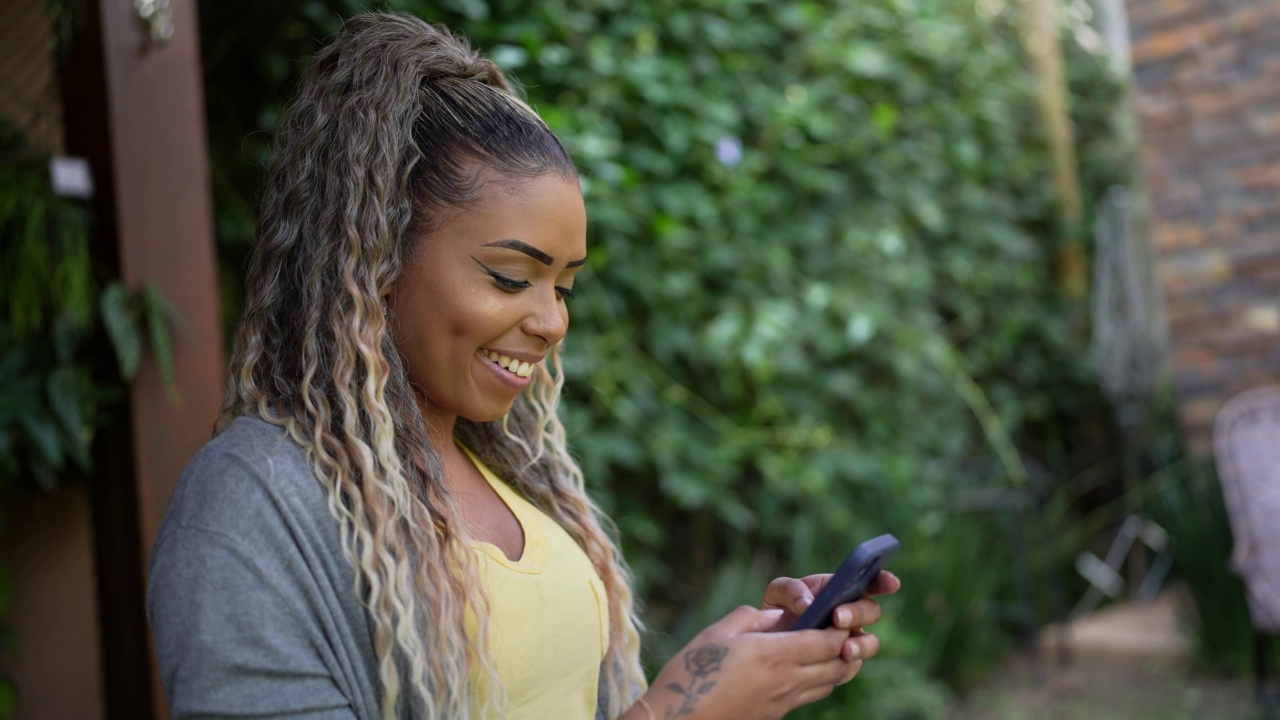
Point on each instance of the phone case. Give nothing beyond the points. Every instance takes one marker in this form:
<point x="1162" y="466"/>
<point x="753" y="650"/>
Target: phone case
<point x="849" y="582"/>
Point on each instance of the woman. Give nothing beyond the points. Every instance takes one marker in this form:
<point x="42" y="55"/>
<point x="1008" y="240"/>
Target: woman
<point x="388" y="523"/>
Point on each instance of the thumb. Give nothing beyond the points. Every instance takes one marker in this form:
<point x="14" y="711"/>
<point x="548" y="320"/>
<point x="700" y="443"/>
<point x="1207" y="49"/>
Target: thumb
<point x="797" y="596"/>
<point x="790" y="594"/>
<point x="746" y="619"/>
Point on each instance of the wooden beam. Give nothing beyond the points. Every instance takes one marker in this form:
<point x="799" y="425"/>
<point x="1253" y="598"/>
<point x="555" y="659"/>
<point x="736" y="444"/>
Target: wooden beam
<point x="136" y="110"/>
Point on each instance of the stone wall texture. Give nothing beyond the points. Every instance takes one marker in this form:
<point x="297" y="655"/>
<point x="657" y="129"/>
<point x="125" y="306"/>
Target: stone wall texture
<point x="1207" y="96"/>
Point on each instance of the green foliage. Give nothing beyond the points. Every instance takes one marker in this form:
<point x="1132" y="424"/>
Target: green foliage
<point x="820" y="302"/>
<point x="50" y="312"/>
<point x="133" y="321"/>
<point x="1188" y="503"/>
<point x="50" y="402"/>
<point x="46" y="397"/>
<point x="46" y="412"/>
<point x="45" y="255"/>
<point x="52" y="317"/>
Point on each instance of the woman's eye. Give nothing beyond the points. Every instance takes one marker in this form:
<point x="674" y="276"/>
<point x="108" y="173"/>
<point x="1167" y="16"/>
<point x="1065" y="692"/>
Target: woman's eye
<point x="511" y="284"/>
<point x="507" y="283"/>
<point x="502" y="281"/>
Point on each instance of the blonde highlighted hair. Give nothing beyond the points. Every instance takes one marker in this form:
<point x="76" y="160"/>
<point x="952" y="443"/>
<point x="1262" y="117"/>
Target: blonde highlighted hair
<point x="394" y="124"/>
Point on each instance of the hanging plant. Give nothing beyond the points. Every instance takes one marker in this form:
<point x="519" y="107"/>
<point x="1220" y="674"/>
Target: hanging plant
<point x="52" y="308"/>
<point x="54" y="314"/>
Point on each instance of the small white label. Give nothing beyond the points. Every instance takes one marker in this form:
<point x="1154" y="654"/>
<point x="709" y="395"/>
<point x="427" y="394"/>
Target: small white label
<point x="71" y="177"/>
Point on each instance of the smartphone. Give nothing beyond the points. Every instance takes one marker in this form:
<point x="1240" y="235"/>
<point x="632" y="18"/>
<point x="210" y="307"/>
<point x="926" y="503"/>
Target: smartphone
<point x="849" y="582"/>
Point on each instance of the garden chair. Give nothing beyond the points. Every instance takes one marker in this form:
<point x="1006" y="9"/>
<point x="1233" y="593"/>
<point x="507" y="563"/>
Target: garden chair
<point x="1246" y="449"/>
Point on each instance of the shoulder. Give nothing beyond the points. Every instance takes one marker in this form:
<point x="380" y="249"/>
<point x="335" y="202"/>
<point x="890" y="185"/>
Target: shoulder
<point x="248" y="476"/>
<point x="250" y="597"/>
<point x="248" y="505"/>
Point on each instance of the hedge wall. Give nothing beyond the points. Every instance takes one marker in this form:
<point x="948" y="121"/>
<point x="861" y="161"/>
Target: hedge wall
<point x="821" y="301"/>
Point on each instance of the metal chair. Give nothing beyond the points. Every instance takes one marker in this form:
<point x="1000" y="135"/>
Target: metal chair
<point x="1246" y="449"/>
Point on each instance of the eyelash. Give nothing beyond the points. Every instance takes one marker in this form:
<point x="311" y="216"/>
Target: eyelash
<point x="511" y="285"/>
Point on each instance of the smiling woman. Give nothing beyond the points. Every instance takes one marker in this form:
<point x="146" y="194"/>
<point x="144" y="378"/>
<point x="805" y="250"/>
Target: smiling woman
<point x="481" y="301"/>
<point x="388" y="522"/>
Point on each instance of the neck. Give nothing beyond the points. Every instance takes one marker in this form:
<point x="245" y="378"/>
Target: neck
<point x="439" y="425"/>
<point x="456" y="467"/>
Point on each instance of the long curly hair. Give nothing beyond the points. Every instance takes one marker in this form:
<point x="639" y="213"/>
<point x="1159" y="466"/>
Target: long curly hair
<point x="384" y="138"/>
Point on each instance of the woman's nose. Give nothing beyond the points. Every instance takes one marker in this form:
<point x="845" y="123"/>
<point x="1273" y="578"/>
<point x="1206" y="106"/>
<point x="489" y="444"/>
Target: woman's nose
<point x="548" y="318"/>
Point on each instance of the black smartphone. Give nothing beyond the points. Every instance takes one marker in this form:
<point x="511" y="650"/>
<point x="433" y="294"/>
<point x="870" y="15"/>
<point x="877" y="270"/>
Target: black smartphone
<point x="849" y="582"/>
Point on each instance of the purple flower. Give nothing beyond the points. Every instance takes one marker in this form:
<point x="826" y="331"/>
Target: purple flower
<point x="729" y="151"/>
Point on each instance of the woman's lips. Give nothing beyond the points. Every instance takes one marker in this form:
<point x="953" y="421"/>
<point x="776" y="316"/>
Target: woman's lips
<point x="501" y="366"/>
<point x="515" y="366"/>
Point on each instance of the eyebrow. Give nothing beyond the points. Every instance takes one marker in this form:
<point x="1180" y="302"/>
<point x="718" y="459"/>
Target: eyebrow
<point x="532" y="252"/>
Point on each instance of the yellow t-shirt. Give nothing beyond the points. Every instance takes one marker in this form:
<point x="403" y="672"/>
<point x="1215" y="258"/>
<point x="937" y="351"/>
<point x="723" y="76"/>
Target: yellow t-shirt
<point x="549" y="616"/>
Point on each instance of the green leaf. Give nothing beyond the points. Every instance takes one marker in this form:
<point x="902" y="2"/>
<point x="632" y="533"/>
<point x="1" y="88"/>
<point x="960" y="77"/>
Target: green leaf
<point x="122" y="329"/>
<point x="885" y="117"/>
<point x="868" y="61"/>
<point x="159" y="313"/>
<point x="43" y="432"/>
<point x="63" y="388"/>
<point x="66" y="393"/>
<point x="509" y="57"/>
<point x="19" y="386"/>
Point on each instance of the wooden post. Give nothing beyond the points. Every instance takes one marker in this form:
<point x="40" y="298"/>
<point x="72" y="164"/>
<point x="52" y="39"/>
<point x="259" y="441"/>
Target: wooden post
<point x="1044" y="48"/>
<point x="135" y="108"/>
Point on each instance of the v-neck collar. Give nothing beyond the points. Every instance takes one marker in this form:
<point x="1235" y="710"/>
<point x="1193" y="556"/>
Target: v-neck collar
<point x="534" y="556"/>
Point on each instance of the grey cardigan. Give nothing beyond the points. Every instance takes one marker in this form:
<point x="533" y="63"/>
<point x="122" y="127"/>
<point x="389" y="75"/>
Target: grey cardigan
<point x="251" y="599"/>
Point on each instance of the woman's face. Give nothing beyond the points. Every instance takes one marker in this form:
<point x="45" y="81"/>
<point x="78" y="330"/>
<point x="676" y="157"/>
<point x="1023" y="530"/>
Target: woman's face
<point x="482" y="298"/>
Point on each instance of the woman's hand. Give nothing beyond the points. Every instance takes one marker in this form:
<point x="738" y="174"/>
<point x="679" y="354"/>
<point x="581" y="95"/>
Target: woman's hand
<point x="737" y="670"/>
<point x="793" y="596"/>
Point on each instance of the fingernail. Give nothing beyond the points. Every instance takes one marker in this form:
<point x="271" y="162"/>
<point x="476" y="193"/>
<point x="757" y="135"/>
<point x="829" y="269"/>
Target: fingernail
<point x="843" y="617"/>
<point x="804" y="602"/>
<point x="854" y="650"/>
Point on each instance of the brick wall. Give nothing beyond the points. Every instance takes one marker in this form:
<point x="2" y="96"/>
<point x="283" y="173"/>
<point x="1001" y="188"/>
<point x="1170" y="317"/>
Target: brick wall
<point x="1207" y="94"/>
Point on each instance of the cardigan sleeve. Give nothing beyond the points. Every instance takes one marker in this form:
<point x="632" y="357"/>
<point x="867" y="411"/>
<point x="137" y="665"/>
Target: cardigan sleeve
<point x="233" y="639"/>
<point x="251" y="600"/>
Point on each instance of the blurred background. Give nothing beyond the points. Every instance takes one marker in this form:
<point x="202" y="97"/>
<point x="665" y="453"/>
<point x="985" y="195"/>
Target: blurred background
<point x="978" y="273"/>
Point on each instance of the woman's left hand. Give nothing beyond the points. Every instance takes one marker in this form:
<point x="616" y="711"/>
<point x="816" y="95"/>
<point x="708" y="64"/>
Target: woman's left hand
<point x="793" y="596"/>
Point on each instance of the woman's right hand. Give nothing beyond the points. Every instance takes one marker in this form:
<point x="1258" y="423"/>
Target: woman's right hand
<point x="737" y="670"/>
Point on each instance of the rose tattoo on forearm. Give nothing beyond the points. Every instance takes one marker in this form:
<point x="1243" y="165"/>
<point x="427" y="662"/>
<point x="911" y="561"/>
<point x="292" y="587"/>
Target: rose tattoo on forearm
<point x="701" y="663"/>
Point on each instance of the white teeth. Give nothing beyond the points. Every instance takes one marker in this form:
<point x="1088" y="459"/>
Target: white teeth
<point x="513" y="366"/>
